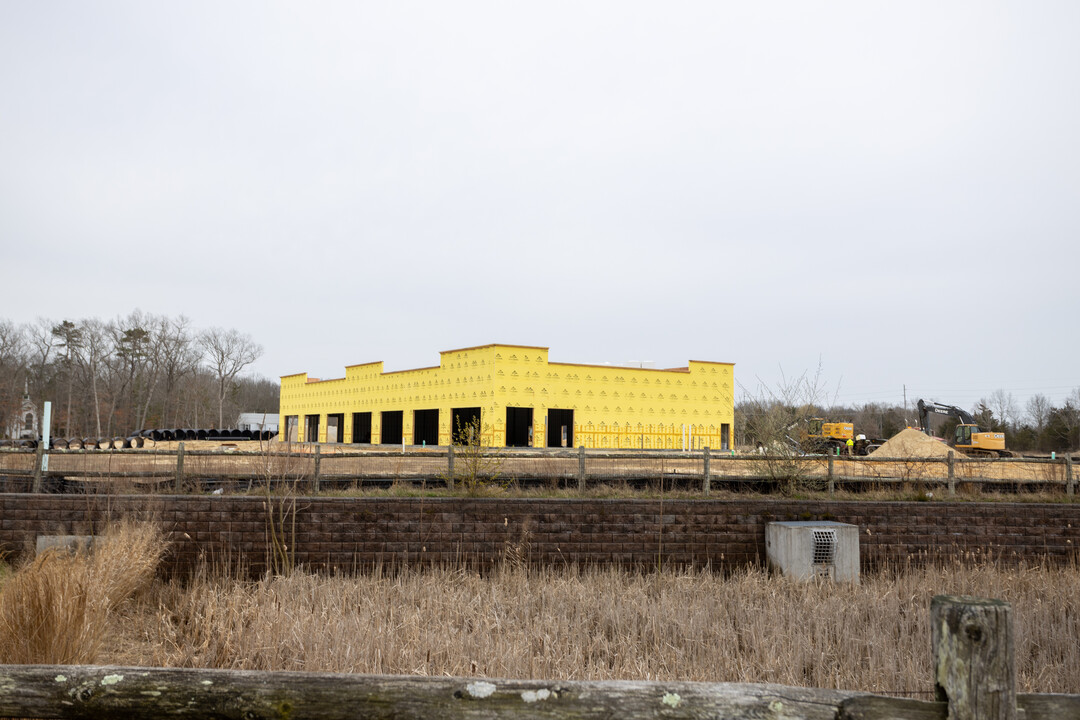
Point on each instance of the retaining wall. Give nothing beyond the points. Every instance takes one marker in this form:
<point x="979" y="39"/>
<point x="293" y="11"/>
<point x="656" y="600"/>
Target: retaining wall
<point x="347" y="533"/>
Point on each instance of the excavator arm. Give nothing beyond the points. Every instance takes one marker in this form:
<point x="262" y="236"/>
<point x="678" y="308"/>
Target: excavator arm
<point x="926" y="408"/>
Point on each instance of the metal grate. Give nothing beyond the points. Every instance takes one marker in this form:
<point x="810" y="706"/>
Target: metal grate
<point x="824" y="547"/>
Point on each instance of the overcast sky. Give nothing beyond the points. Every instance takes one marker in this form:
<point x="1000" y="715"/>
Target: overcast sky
<point x="887" y="190"/>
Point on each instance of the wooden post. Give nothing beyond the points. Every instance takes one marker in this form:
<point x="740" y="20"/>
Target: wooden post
<point x="581" y="468"/>
<point x="179" y="468"/>
<point x="831" y="477"/>
<point x="39" y="455"/>
<point x="952" y="472"/>
<point x="972" y="647"/>
<point x="318" y="463"/>
<point x="450" y="467"/>
<point x="1070" y="483"/>
<point x="707" y="483"/>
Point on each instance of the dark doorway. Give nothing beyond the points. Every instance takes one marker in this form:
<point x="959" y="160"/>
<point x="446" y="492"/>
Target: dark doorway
<point x="292" y="423"/>
<point x="519" y="426"/>
<point x="461" y="421"/>
<point x="335" y="427"/>
<point x="361" y="428"/>
<point x="311" y="428"/>
<point x="425" y="427"/>
<point x="725" y="436"/>
<point x="560" y="428"/>
<point x="391" y="427"/>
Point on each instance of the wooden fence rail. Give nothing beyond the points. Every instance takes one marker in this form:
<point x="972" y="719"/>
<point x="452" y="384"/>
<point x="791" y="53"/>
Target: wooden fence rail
<point x="972" y="655"/>
<point x="572" y="467"/>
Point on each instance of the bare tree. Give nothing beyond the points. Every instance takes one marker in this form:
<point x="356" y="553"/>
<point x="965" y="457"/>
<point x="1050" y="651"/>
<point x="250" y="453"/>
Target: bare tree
<point x="115" y="374"/>
<point x="179" y="358"/>
<point x="1003" y="405"/>
<point x="775" y="420"/>
<point x="140" y="342"/>
<point x="200" y="396"/>
<point x="983" y="414"/>
<point x="69" y="336"/>
<point x="96" y="347"/>
<point x="1038" y="411"/>
<point x="12" y="344"/>
<point x="132" y="342"/>
<point x="227" y="352"/>
<point x="13" y="365"/>
<point x="42" y="343"/>
<point x="1063" y="423"/>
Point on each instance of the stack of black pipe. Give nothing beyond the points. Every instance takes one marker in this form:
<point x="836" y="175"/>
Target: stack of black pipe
<point x="137" y="440"/>
<point x="167" y="434"/>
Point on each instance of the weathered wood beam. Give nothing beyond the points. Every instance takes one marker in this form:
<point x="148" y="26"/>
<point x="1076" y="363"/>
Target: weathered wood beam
<point x="128" y="692"/>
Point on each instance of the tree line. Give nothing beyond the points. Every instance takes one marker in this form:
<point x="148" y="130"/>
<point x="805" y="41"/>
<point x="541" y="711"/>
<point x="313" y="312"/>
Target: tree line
<point x="142" y="371"/>
<point x="1038" y="425"/>
<point x="776" y="415"/>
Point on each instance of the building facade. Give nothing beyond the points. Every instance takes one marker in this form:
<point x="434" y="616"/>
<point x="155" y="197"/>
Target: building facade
<point x="514" y="397"/>
<point x="24" y="424"/>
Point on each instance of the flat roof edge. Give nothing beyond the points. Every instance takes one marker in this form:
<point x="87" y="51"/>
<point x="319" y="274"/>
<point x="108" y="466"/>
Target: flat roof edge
<point x="492" y="345"/>
<point x="621" y="367"/>
<point x="398" y="372"/>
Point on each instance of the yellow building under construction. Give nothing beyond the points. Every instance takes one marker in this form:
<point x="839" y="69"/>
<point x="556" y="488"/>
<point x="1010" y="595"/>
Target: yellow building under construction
<point x="517" y="398"/>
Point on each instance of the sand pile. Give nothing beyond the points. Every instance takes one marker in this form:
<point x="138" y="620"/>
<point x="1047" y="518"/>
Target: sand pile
<point x="913" y="443"/>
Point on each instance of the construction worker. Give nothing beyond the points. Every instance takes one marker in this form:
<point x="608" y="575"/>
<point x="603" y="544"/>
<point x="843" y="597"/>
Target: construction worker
<point x="850" y="446"/>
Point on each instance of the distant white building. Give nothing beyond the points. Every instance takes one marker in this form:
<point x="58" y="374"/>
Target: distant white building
<point x="24" y="423"/>
<point x="257" y="421"/>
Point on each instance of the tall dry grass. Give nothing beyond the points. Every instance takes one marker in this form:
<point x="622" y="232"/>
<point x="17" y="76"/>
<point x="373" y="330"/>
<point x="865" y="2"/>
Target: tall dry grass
<point x="55" y="609"/>
<point x="517" y="621"/>
<point x="611" y="624"/>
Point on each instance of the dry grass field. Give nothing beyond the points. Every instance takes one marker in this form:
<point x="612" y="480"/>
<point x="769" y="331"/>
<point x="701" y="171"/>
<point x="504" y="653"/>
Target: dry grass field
<point x="520" y="622"/>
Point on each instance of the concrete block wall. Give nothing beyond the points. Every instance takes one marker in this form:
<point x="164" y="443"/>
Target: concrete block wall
<point x="347" y="533"/>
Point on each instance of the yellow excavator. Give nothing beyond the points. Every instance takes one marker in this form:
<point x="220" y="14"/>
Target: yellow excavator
<point x="967" y="438"/>
<point x="828" y="437"/>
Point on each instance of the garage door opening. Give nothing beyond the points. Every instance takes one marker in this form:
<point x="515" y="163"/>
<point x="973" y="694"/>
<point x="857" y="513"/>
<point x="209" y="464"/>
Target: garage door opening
<point x="311" y="428"/>
<point x="335" y="427"/>
<point x="725" y="436"/>
<point x="361" y="428"/>
<point x="425" y="427"/>
<point x="519" y="427"/>
<point x="465" y="422"/>
<point x="391" y="427"/>
<point x="292" y="423"/>
<point x="560" y="428"/>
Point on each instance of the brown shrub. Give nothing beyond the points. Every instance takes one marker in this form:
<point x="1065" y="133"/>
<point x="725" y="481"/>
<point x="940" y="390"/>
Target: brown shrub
<point x="55" y="608"/>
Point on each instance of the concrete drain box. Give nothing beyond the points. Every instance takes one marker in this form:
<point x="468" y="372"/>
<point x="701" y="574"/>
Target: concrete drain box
<point x="808" y="550"/>
<point x="66" y="543"/>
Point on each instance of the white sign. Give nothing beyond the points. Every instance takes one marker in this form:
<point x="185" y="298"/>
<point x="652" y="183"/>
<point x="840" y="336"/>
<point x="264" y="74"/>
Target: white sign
<point x="46" y="423"/>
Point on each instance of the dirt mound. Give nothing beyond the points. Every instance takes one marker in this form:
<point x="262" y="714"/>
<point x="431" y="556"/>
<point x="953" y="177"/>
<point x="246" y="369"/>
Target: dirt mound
<point x="913" y="443"/>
